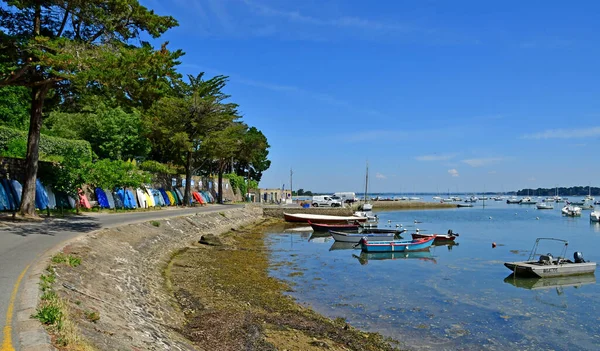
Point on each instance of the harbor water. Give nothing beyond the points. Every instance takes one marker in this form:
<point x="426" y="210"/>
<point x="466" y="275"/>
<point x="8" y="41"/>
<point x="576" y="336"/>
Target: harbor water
<point x="458" y="297"/>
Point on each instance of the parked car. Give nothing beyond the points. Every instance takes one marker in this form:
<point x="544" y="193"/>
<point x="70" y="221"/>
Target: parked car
<point x="347" y="197"/>
<point x="325" y="201"/>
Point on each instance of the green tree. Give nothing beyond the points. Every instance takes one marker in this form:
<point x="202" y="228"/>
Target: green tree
<point x="221" y="146"/>
<point x="178" y="125"/>
<point x="112" y="132"/>
<point x="252" y="158"/>
<point x="69" y="176"/>
<point x="73" y="44"/>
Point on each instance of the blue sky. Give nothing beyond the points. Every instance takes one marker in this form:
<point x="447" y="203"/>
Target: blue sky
<point x="448" y="95"/>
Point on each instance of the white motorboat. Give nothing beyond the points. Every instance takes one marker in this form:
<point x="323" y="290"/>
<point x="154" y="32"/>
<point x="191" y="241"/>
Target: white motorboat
<point x="595" y="216"/>
<point x="447" y="200"/>
<point x="571" y="211"/>
<point x="549" y="266"/>
<point x="544" y="206"/>
<point x="527" y="201"/>
<point x="437" y="198"/>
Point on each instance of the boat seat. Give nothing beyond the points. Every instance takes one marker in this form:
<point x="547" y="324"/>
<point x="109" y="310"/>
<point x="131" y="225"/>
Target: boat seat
<point x="546" y="259"/>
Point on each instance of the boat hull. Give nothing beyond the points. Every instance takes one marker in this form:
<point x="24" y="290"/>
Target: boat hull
<point x="357" y="237"/>
<point x="396" y="245"/>
<point x="321" y="219"/>
<point x="437" y="237"/>
<point x="535" y="269"/>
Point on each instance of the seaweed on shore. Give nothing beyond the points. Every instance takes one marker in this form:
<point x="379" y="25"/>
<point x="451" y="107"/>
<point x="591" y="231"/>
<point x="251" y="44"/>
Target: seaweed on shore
<point x="231" y="303"/>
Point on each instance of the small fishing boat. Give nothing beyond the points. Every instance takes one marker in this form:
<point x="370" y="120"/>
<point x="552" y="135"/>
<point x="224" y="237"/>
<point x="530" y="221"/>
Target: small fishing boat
<point x="450" y="236"/>
<point x="322" y="227"/>
<point x="464" y="205"/>
<point x="396" y="245"/>
<point x="357" y="237"/>
<point x="317" y="218"/>
<point x="595" y="216"/>
<point x="544" y="206"/>
<point x="549" y="266"/>
<point x="571" y="211"/>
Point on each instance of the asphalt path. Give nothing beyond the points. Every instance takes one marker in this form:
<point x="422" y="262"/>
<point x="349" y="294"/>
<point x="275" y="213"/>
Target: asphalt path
<point x="21" y="244"/>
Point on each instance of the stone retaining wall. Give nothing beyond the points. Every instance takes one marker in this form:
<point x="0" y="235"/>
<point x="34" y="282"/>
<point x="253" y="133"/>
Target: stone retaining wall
<point x="121" y="278"/>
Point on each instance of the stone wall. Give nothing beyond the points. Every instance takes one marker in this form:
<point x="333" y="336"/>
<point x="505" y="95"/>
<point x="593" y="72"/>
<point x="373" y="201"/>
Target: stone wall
<point x="14" y="168"/>
<point x="121" y="278"/>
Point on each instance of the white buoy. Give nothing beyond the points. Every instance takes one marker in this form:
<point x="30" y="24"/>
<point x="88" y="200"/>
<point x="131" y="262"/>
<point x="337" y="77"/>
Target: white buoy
<point x="537" y="218"/>
<point x="389" y="221"/>
<point x="490" y="217"/>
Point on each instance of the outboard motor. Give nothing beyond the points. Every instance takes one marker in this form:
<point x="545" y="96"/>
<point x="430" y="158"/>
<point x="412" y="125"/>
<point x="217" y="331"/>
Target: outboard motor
<point x="578" y="256"/>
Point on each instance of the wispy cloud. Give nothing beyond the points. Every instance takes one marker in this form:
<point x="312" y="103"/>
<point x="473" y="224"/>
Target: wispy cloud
<point x="435" y="157"/>
<point x="380" y="176"/>
<point x="479" y="162"/>
<point x="453" y="172"/>
<point x="339" y="22"/>
<point x="492" y="172"/>
<point x="565" y="133"/>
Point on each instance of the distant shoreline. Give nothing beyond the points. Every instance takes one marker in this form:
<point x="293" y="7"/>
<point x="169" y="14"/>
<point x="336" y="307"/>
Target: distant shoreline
<point x="409" y="205"/>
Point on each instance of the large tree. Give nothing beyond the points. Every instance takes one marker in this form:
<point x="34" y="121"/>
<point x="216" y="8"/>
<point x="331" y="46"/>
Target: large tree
<point x="252" y="158"/>
<point x="179" y="124"/>
<point x="84" y="44"/>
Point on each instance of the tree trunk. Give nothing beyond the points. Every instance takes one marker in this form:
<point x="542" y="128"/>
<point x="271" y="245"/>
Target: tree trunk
<point x="33" y="141"/>
<point x="188" y="179"/>
<point x="220" y="186"/>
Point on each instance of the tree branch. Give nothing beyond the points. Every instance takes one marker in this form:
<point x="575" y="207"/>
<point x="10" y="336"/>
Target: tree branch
<point x="15" y="76"/>
<point x="64" y="21"/>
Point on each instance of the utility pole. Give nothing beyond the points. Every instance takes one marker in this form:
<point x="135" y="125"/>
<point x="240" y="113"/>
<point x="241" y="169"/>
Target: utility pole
<point x="291" y="187"/>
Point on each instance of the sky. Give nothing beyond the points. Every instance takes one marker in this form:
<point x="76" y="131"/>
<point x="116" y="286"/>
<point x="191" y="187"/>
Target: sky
<point x="436" y="96"/>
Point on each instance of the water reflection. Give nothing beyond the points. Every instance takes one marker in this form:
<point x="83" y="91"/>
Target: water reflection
<point x="364" y="257"/>
<point x="338" y="245"/>
<point x="548" y="283"/>
<point x="320" y="238"/>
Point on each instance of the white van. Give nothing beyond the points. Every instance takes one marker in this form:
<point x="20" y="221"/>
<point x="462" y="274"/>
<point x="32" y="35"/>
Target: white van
<point x="347" y="197"/>
<point x="325" y="200"/>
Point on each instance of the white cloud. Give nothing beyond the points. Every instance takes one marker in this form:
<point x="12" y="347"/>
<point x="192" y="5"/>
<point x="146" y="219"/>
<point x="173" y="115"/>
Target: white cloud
<point x="479" y="162"/>
<point x="565" y="133"/>
<point x="380" y="176"/>
<point x="435" y="157"/>
<point x="453" y="172"/>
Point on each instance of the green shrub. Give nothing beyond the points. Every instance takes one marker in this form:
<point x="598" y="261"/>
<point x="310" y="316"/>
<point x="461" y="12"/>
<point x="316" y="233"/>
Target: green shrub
<point x="11" y="140"/>
<point x="157" y="167"/>
<point x="48" y="313"/>
<point x="92" y="316"/>
<point x="155" y="223"/>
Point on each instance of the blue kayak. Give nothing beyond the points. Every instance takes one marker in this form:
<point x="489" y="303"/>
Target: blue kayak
<point x="41" y="197"/>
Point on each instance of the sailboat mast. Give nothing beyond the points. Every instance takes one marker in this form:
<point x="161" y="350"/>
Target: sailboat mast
<point x="366" y="182"/>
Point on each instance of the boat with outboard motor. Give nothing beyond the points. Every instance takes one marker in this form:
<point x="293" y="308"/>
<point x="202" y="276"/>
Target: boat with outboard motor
<point x="549" y="266"/>
<point x="395" y="245"/>
<point x="357" y="237"/>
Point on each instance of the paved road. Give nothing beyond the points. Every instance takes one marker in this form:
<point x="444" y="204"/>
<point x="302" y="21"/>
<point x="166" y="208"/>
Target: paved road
<point x="22" y="243"/>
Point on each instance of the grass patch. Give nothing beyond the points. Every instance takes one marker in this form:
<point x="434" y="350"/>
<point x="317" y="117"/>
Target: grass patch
<point x="70" y="260"/>
<point x="92" y="316"/>
<point x="155" y="223"/>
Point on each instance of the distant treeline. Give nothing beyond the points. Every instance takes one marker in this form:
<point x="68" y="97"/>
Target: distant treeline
<point x="571" y="191"/>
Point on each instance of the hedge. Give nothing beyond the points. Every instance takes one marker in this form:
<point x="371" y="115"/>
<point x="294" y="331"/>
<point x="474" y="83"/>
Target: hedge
<point x="49" y="146"/>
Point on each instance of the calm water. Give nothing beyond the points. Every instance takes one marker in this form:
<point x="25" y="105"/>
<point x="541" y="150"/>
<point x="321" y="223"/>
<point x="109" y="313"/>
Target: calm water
<point x="456" y="297"/>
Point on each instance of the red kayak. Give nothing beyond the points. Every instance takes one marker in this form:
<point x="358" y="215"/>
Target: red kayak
<point x="321" y="227"/>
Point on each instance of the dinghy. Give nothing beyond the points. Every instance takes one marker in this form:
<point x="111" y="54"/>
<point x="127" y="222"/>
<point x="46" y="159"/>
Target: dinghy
<point x="396" y="245"/>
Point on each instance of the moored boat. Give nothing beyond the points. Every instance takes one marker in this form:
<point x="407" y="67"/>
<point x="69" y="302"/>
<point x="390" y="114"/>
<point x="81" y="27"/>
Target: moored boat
<point x="357" y="237"/>
<point x="527" y="201"/>
<point x="571" y="211"/>
<point x="513" y="200"/>
<point x="549" y="266"/>
<point x="396" y="245"/>
<point x="450" y="236"/>
<point x="464" y="205"/>
<point x="544" y="206"/>
<point x="318" y="218"/>
<point x="595" y="216"/>
<point x="322" y="227"/>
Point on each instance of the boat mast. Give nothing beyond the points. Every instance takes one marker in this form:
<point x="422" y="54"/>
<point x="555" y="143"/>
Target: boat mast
<point x="366" y="181"/>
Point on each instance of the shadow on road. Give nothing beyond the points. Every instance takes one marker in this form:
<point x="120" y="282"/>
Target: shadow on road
<point x="50" y="226"/>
